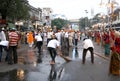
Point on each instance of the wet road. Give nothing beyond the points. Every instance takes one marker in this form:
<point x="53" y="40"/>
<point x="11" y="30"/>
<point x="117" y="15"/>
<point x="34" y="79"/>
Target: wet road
<point x="30" y="67"/>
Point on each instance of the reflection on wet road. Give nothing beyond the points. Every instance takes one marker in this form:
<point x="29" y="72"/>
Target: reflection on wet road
<point x="34" y="67"/>
<point x="53" y="73"/>
<point x="74" y="53"/>
<point x="13" y="75"/>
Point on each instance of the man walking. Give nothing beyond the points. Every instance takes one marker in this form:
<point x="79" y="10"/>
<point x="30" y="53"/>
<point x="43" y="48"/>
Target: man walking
<point x="76" y="38"/>
<point x="39" y="41"/>
<point x="52" y="46"/>
<point x="88" y="45"/>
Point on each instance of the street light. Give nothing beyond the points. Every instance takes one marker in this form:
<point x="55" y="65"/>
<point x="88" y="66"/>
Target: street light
<point x="86" y="18"/>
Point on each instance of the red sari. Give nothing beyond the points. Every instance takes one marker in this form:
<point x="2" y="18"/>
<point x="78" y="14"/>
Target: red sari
<point x="115" y="57"/>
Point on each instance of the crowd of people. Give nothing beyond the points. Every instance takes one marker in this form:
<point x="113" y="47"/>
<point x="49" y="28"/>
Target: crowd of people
<point x="10" y="40"/>
<point x="110" y="40"/>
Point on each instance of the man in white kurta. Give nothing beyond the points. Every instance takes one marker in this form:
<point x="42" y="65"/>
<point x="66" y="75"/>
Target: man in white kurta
<point x="88" y="45"/>
<point x="53" y="44"/>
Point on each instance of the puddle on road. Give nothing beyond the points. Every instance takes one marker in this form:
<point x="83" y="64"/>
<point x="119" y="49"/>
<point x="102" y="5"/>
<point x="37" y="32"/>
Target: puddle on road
<point x="55" y="73"/>
<point x="27" y="75"/>
<point x="76" y="53"/>
<point x="14" y="75"/>
<point x="32" y="70"/>
<point x="29" y="58"/>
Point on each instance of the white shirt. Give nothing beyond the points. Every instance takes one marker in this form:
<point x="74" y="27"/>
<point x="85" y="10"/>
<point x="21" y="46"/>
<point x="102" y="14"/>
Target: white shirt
<point x="58" y="35"/>
<point x="53" y="43"/>
<point x="66" y="35"/>
<point x="49" y="34"/>
<point x="2" y="36"/>
<point x="87" y="43"/>
<point x="4" y="43"/>
<point x="38" y="37"/>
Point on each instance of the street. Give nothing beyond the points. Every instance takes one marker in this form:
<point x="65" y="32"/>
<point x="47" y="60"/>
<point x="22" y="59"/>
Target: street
<point x="59" y="40"/>
<point x="30" y="67"/>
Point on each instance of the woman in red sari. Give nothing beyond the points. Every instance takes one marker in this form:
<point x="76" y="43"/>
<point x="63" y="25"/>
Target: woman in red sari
<point x="115" y="57"/>
<point x="106" y="40"/>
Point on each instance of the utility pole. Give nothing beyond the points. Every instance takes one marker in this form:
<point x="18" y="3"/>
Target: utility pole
<point x="86" y="18"/>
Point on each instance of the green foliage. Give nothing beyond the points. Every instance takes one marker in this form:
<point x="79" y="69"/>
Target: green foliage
<point x="59" y="23"/>
<point x="82" y="23"/>
<point x="14" y="9"/>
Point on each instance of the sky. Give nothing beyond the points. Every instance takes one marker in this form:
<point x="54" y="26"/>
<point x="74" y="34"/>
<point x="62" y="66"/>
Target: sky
<point x="72" y="9"/>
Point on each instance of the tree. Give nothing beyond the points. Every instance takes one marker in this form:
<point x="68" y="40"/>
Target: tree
<point x="82" y="23"/>
<point x="14" y="9"/>
<point x="59" y="23"/>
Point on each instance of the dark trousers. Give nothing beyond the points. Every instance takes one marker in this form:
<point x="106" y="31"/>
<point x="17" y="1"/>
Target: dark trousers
<point x="39" y="45"/>
<point x="66" y="42"/>
<point x="53" y="53"/>
<point x="48" y="40"/>
<point x="76" y="42"/>
<point x="26" y="40"/>
<point x="1" y="51"/>
<point x="84" y="54"/>
<point x="12" y="53"/>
